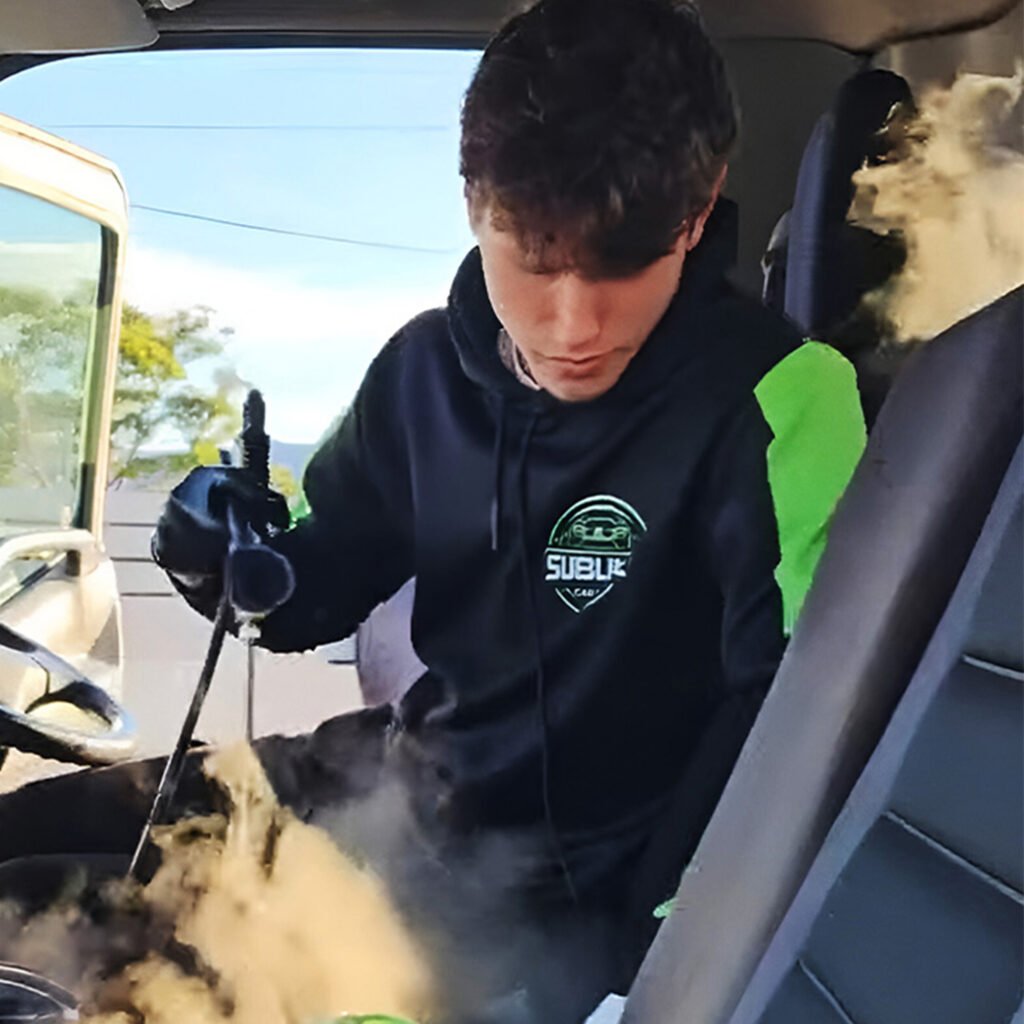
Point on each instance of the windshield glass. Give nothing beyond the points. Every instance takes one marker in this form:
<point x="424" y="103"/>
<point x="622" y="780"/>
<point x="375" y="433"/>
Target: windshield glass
<point x="291" y="208"/>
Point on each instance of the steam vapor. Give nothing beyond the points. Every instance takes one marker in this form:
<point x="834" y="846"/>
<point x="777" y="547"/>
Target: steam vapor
<point x="252" y="918"/>
<point x="954" y="191"/>
<point x="257" y="917"/>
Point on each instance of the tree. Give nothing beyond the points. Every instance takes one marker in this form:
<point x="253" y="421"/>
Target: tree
<point x="155" y="398"/>
<point x="43" y="348"/>
<point x="44" y="343"/>
<point x="282" y="480"/>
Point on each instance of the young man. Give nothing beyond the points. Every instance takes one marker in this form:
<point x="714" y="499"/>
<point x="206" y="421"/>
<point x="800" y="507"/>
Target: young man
<point x="610" y="473"/>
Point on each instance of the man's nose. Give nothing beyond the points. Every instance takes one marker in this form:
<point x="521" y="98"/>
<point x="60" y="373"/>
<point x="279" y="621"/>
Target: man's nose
<point x="575" y="314"/>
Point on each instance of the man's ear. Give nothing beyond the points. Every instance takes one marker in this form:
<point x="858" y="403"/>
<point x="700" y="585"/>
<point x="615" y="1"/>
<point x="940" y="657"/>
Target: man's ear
<point x="695" y="230"/>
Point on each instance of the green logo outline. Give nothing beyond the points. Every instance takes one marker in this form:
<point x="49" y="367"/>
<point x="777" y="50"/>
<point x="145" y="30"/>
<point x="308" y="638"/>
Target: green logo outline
<point x="598" y="534"/>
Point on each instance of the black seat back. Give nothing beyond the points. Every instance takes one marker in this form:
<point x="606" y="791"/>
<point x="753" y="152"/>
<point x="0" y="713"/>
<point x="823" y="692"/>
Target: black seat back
<point x="898" y="545"/>
<point x="913" y="912"/>
<point x="829" y="263"/>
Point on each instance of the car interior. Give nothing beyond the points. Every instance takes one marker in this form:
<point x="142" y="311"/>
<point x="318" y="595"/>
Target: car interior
<point x="865" y="864"/>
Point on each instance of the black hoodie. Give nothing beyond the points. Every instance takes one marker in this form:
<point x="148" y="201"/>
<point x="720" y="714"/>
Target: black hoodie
<point x="600" y="585"/>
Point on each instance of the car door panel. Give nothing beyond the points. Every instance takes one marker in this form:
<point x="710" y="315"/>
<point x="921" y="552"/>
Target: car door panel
<point x="63" y="219"/>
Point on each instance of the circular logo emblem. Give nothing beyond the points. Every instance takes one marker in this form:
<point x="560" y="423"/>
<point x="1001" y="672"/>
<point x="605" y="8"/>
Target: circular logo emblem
<point x="589" y="549"/>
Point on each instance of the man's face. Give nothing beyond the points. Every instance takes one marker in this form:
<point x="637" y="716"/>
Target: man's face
<point x="577" y="334"/>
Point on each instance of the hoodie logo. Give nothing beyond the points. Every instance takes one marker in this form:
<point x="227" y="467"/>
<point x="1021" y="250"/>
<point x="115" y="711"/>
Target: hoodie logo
<point x="589" y="549"/>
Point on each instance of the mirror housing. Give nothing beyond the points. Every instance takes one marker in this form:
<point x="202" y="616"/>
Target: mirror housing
<point x="73" y="26"/>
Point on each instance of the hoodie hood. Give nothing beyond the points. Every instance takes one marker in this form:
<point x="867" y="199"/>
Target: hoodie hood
<point x="475" y="326"/>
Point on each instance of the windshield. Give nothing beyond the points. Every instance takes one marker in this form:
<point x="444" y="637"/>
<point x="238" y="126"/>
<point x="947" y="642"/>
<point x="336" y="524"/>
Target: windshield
<point x="300" y="205"/>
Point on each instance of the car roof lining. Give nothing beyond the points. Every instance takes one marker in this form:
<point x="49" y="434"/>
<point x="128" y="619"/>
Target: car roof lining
<point x="865" y="26"/>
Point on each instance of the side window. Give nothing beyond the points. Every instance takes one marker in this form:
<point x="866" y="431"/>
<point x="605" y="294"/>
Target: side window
<point x="50" y="261"/>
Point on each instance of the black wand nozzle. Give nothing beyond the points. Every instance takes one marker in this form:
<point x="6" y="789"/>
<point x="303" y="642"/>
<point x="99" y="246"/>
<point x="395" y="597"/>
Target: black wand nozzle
<point x="255" y="442"/>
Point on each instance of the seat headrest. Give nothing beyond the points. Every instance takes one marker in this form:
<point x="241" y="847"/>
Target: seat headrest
<point x="830" y="264"/>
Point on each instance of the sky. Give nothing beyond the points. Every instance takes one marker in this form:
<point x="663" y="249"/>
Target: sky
<point x="357" y="145"/>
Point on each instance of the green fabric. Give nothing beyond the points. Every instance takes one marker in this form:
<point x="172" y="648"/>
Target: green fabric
<point x="810" y="402"/>
<point x="662" y="910"/>
<point x="300" y="508"/>
<point x="372" y="1018"/>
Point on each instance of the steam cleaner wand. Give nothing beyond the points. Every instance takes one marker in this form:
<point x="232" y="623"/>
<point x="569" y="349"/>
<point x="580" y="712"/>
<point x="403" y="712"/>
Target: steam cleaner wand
<point x="256" y="459"/>
<point x="256" y="581"/>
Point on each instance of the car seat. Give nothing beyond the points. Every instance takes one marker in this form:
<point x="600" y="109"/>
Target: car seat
<point x="913" y="911"/>
<point x="817" y="266"/>
<point x="386" y="661"/>
<point x="899" y="542"/>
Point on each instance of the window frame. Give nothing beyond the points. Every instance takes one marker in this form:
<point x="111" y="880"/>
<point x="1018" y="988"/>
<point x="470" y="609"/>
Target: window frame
<point x="59" y="172"/>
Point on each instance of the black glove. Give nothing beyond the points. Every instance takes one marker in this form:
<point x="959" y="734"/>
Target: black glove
<point x="191" y="538"/>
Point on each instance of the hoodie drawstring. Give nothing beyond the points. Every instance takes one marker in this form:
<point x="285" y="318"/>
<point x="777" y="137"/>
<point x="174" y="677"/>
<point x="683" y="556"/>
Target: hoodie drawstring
<point x="531" y="606"/>
<point x="499" y="459"/>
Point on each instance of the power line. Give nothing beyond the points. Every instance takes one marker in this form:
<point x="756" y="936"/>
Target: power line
<point x="295" y="234"/>
<point x="417" y="128"/>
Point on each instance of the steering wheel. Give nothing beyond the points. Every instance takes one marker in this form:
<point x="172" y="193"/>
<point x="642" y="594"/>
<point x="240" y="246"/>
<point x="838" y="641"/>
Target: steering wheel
<point x="27" y="996"/>
<point x="115" y="738"/>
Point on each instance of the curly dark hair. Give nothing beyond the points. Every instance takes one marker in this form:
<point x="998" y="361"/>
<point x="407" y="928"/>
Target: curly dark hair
<point x="601" y="125"/>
